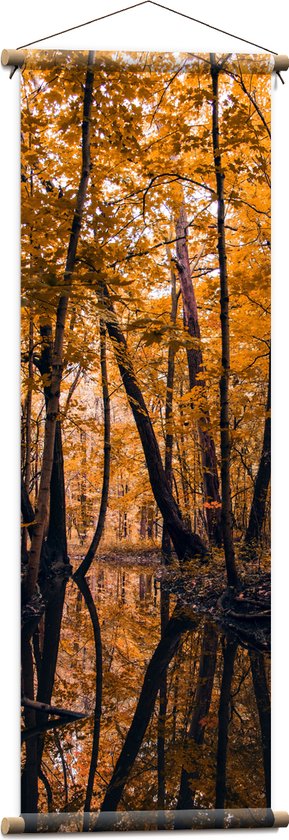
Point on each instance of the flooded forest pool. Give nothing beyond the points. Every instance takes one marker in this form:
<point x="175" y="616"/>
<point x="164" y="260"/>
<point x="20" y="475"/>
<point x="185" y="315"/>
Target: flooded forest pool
<point x="192" y="731"/>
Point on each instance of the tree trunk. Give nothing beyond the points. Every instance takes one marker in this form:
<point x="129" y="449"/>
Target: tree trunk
<point x="258" y="507"/>
<point x="27" y="509"/>
<point x="29" y="778"/>
<point x="183" y="463"/>
<point x="230" y="651"/>
<point x="169" y="438"/>
<point x="195" y="367"/>
<point x="57" y="360"/>
<point x="86" y="562"/>
<point x="27" y="435"/>
<point x="165" y="613"/>
<point x="27" y="468"/>
<point x="54" y="558"/>
<point x="227" y="518"/>
<point x="186" y="545"/>
<point x="83" y="489"/>
<point x="263" y="706"/>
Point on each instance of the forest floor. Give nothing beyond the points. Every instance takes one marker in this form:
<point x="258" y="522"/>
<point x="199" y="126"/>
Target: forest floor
<point x="150" y="556"/>
<point x="245" y="612"/>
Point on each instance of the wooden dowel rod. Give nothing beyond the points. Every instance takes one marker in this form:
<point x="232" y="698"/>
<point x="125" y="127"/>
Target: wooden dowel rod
<point x="13" y="825"/>
<point x="281" y="819"/>
<point x="281" y="63"/>
<point x="16" y="58"/>
<point x="32" y="823"/>
<point x="12" y="58"/>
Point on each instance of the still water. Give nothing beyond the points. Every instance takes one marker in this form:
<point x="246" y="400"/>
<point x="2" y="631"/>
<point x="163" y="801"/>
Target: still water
<point x="182" y="709"/>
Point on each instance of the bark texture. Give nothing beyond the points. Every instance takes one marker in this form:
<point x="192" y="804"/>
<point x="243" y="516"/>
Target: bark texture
<point x="169" y="438"/>
<point x="227" y="516"/>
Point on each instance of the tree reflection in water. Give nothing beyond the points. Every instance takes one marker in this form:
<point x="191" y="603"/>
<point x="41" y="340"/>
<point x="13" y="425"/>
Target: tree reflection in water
<point x="184" y="719"/>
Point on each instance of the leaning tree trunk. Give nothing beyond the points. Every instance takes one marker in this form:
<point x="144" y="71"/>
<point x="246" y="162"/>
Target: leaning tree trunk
<point x="57" y="360"/>
<point x="87" y="560"/>
<point x="227" y="517"/>
<point x="195" y="367"/>
<point x="258" y="507"/>
<point x="186" y="544"/>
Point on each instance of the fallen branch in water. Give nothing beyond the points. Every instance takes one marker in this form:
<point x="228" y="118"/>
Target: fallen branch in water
<point x="50" y="710"/>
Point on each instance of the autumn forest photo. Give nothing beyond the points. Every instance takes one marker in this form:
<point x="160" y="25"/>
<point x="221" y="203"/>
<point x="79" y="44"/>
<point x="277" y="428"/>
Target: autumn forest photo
<point x="145" y="436"/>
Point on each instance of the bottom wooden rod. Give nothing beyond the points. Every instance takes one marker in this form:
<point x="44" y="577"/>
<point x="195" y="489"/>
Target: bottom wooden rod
<point x="13" y="825"/>
<point x="144" y="820"/>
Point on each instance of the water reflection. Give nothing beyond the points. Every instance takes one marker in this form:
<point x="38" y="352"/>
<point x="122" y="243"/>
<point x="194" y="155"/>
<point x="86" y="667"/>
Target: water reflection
<point x="178" y="713"/>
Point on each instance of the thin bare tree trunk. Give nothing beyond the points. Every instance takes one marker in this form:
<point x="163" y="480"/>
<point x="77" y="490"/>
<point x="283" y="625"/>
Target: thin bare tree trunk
<point x="184" y="469"/>
<point x="86" y="562"/>
<point x="27" y="469"/>
<point x="195" y="366"/>
<point x="57" y="360"/>
<point x="227" y="518"/>
<point x="27" y="509"/>
<point x="27" y="435"/>
<point x="262" y="481"/>
<point x="83" y="488"/>
<point x="72" y="388"/>
<point x="169" y="438"/>
<point x="165" y="614"/>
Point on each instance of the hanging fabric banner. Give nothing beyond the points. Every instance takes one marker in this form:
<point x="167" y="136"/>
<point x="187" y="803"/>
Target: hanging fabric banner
<point x="145" y="441"/>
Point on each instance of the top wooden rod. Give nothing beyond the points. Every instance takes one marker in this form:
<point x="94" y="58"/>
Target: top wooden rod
<point x="16" y="58"/>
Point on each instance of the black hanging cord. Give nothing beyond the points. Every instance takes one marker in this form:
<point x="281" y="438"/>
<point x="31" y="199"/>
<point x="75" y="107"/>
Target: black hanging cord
<point x="145" y="3"/>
